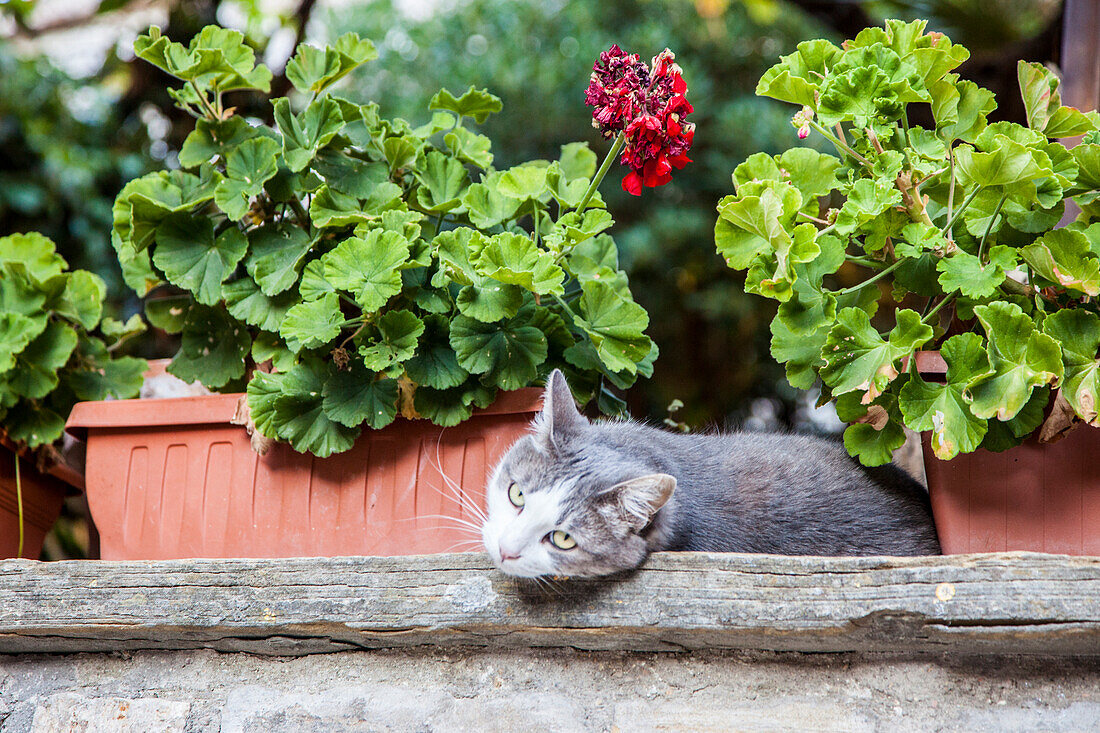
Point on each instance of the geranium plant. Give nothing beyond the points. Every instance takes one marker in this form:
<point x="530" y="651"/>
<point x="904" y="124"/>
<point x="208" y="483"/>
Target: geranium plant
<point x="344" y="268"/>
<point x="56" y="348"/>
<point x="959" y="217"/>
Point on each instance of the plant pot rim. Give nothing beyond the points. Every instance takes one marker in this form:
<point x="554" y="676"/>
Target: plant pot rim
<point x="220" y="409"/>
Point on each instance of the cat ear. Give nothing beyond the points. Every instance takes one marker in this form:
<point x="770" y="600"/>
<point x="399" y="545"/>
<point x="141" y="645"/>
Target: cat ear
<point x="637" y="500"/>
<point x="559" y="416"/>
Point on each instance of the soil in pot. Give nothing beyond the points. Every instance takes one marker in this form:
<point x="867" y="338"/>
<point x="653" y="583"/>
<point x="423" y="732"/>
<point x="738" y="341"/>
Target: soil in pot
<point x="174" y="478"/>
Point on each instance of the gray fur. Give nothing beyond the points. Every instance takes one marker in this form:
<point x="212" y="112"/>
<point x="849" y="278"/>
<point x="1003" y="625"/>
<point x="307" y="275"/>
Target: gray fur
<point x="623" y="490"/>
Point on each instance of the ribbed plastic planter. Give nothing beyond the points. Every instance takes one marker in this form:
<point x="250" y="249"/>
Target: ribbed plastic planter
<point x="1043" y="497"/>
<point x="174" y="478"/>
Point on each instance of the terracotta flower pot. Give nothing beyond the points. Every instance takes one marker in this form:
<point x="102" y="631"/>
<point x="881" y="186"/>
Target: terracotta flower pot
<point x="42" y="496"/>
<point x="173" y="478"/>
<point x="1043" y="497"/>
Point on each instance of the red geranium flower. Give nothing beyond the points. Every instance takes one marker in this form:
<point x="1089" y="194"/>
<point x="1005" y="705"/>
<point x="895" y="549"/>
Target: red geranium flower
<point x="648" y="106"/>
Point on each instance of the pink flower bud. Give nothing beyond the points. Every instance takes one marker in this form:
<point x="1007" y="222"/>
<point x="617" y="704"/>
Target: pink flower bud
<point x="804" y="132"/>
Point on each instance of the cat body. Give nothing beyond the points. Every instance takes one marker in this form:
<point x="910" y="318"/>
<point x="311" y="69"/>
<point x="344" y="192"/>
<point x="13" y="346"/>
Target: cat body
<point x="581" y="498"/>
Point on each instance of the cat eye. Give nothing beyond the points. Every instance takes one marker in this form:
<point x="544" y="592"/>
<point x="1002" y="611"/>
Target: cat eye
<point x="561" y="540"/>
<point x="515" y="495"/>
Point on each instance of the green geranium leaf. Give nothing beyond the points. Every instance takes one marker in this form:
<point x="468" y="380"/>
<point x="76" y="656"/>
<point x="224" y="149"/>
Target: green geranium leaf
<point x="1043" y="103"/>
<point x="873" y="447"/>
<point x="247" y="168"/>
<point x="435" y="363"/>
<point x="168" y="313"/>
<point x="960" y="108"/>
<point x="213" y="348"/>
<point x="443" y="181"/>
<point x="119" y="331"/>
<point x="523" y="182"/>
<point x="487" y="207"/>
<point x="481" y="297"/>
<point x="314" y="284"/>
<point x="349" y="175"/>
<point x="400" y="151"/>
<point x="615" y="324"/>
<point x="355" y="396"/>
<point x="966" y="273"/>
<point x="1078" y="333"/>
<point x="858" y="359"/>
<point x="82" y="299"/>
<point x="469" y="147"/>
<point x="36" y="367"/>
<point x="308" y="132"/>
<point x="577" y="161"/>
<point x="861" y="96"/>
<point x="145" y="202"/>
<point x="755" y="224"/>
<point x="269" y="347"/>
<point x="567" y="193"/>
<point x="507" y="353"/>
<point x="312" y="324"/>
<point x="33" y="423"/>
<point x="1022" y="358"/>
<point x="797" y="77"/>
<point x="475" y="103"/>
<point x="246" y="302"/>
<point x="210" y="138"/>
<point x="398" y="332"/>
<point x="312" y="69"/>
<point x="867" y="200"/>
<point x="275" y="256"/>
<point x="1063" y="256"/>
<point x="516" y="260"/>
<point x="35" y="252"/>
<point x="194" y="259"/>
<point x="944" y="408"/>
<point x="1006" y="163"/>
<point x="368" y="267"/>
<point x="291" y="405"/>
<point x="445" y="408"/>
<point x="119" y="377"/>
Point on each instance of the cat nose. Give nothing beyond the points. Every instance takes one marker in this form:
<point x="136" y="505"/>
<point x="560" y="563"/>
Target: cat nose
<point x="506" y="555"/>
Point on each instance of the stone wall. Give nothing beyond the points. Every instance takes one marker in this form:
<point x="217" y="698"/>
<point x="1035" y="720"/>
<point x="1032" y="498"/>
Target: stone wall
<point x="542" y="691"/>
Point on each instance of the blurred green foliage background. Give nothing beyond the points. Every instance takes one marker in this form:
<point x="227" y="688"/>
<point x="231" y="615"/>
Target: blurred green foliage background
<point x="68" y="145"/>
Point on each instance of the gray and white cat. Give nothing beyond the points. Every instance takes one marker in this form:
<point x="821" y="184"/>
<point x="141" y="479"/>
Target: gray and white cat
<point x="581" y="498"/>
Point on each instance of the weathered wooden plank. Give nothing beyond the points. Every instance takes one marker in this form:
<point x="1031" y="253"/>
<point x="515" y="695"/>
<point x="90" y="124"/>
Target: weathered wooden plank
<point x="1016" y="603"/>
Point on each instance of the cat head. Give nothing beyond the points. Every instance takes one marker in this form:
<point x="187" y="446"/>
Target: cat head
<point x="564" y="501"/>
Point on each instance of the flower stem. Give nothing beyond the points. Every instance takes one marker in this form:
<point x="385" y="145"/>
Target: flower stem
<point x="19" y="504"/>
<point x="841" y="146"/>
<point x="205" y="103"/>
<point x="951" y="222"/>
<point x="865" y="261"/>
<point x="989" y="228"/>
<point x="878" y="276"/>
<point x="598" y="179"/>
<point x="928" y="316"/>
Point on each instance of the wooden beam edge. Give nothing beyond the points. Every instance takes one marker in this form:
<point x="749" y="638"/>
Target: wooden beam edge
<point x="1008" y="603"/>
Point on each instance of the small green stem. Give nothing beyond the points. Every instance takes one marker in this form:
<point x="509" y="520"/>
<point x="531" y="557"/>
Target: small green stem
<point x="989" y="228"/>
<point x="865" y="262"/>
<point x="813" y="218"/>
<point x="905" y="128"/>
<point x="300" y="213"/>
<point x="928" y="316"/>
<point x="951" y="188"/>
<point x="535" y="216"/>
<point x="878" y="276"/>
<point x="598" y="179"/>
<point x="957" y="214"/>
<point x="841" y="146"/>
<point x="19" y="504"/>
<point x="205" y="103"/>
